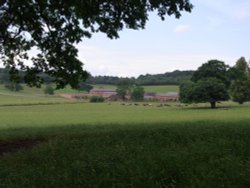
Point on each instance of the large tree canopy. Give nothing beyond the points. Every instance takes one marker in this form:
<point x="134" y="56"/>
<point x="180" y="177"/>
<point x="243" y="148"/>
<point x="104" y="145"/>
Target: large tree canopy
<point x="53" y="27"/>
<point x="209" y="90"/>
<point x="215" y="69"/>
<point x="209" y="84"/>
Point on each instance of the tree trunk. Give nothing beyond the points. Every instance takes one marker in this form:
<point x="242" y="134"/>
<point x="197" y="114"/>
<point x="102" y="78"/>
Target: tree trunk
<point x="213" y="104"/>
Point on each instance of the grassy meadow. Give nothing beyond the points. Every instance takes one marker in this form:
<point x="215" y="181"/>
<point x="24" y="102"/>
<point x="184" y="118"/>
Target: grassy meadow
<point x="159" y="89"/>
<point x="162" y="88"/>
<point x="113" y="145"/>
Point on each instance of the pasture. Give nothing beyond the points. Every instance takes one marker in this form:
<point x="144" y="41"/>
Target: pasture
<point x="114" y="145"/>
<point x="158" y="89"/>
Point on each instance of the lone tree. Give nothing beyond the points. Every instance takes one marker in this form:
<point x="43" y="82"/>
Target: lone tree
<point x="53" y="28"/>
<point x="209" y="90"/>
<point x="209" y="84"/>
<point x="124" y="87"/>
<point x="240" y="87"/>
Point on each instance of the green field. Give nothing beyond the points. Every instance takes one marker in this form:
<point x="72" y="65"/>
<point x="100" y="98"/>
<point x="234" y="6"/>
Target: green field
<point x="39" y="91"/>
<point x="114" y="145"/>
<point x="162" y="88"/>
<point x="103" y="86"/>
<point x="159" y="89"/>
<point x="36" y="91"/>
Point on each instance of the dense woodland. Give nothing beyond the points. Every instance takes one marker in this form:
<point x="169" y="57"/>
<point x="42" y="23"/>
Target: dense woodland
<point x="168" y="78"/>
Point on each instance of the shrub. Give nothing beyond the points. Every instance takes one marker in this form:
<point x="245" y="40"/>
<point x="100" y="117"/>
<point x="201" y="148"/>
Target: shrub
<point x="85" y="87"/>
<point x="137" y="93"/>
<point x="96" y="99"/>
<point x="49" y="90"/>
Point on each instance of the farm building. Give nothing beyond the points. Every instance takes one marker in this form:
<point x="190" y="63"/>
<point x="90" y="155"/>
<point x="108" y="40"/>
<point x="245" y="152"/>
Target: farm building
<point x="106" y="93"/>
<point x="111" y="94"/>
<point x="171" y="96"/>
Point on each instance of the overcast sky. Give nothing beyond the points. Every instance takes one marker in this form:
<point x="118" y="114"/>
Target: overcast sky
<point x="216" y="29"/>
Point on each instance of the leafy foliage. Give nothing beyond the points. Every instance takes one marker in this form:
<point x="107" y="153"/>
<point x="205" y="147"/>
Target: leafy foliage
<point x="213" y="68"/>
<point x="240" y="88"/>
<point x="85" y="87"/>
<point x="54" y="27"/>
<point x="209" y="84"/>
<point x="49" y="90"/>
<point x="186" y="92"/>
<point x="124" y="87"/>
<point x="137" y="93"/>
<point x="103" y="80"/>
<point x="241" y="70"/>
<point x="168" y="78"/>
<point x="209" y="90"/>
<point x="96" y="99"/>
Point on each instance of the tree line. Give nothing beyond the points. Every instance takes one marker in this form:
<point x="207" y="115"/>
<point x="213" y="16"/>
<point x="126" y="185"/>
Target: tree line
<point x="169" y="78"/>
<point x="215" y="81"/>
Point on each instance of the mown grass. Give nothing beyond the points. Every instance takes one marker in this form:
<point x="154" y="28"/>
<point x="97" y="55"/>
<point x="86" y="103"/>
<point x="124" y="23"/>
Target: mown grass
<point x="162" y="88"/>
<point x="13" y="99"/>
<point x="159" y="89"/>
<point x="109" y="113"/>
<point x="111" y="145"/>
<point x="33" y="91"/>
<point x="37" y="91"/>
<point x="104" y="86"/>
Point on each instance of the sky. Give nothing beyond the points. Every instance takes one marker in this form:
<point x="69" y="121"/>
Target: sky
<point x="216" y="29"/>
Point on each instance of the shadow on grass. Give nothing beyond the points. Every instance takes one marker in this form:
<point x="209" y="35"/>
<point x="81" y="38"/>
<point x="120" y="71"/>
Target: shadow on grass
<point x="10" y="146"/>
<point x="194" y="154"/>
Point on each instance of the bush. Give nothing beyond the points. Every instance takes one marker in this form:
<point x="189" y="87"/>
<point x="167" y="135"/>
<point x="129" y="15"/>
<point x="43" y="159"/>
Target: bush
<point x="85" y="87"/>
<point x="138" y="93"/>
<point x="49" y="90"/>
<point x="96" y="99"/>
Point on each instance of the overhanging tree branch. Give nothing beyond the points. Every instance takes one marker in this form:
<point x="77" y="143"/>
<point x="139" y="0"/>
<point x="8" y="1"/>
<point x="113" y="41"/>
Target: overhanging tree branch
<point x="67" y="22"/>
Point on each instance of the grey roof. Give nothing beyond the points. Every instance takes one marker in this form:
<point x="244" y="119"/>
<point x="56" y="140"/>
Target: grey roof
<point x="170" y="94"/>
<point x="102" y="90"/>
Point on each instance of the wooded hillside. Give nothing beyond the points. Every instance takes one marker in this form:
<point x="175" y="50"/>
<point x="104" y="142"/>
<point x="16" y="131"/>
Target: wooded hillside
<point x="168" y="78"/>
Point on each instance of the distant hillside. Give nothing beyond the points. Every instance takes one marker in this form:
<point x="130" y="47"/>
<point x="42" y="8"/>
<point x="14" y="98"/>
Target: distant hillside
<point x="5" y="77"/>
<point x="168" y="78"/>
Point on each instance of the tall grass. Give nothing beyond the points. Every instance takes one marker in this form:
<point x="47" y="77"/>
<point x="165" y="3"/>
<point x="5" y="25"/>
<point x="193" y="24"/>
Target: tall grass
<point x="112" y="145"/>
<point x="211" y="154"/>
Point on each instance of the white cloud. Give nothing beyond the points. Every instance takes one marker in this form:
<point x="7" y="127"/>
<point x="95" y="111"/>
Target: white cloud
<point x="181" y="28"/>
<point x="104" y="62"/>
